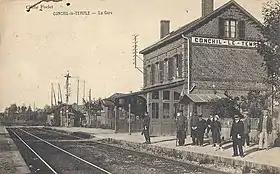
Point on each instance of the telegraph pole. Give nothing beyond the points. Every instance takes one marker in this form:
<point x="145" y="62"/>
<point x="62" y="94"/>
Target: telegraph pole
<point x="54" y="95"/>
<point x="51" y="97"/>
<point x="135" y="53"/>
<point x="129" y="119"/>
<point x="59" y="93"/>
<point x="89" y="112"/>
<point x="67" y="86"/>
<point x="78" y="91"/>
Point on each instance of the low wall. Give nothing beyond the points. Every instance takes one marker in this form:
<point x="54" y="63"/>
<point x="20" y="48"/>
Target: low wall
<point x="123" y="126"/>
<point x="195" y="157"/>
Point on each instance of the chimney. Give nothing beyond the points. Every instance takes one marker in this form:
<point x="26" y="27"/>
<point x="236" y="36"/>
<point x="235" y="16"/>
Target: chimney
<point x="207" y="7"/>
<point x="164" y="28"/>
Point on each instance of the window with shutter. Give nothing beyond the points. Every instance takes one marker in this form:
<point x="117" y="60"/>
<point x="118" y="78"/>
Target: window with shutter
<point x="161" y="73"/>
<point x="145" y="76"/>
<point x="180" y="65"/>
<point x="152" y="74"/>
<point x="241" y="28"/>
<point x="157" y="71"/>
<point x="148" y="76"/>
<point x="232" y="28"/>
<point x="166" y="70"/>
<point x="227" y="28"/>
<point x="170" y="69"/>
<point x="221" y="27"/>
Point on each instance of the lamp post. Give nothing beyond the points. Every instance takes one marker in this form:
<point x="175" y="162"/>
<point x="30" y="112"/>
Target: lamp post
<point x="129" y="119"/>
<point x="116" y="110"/>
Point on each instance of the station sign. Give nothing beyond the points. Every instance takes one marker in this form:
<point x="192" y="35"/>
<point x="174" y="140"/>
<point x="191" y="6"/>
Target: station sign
<point x="224" y="42"/>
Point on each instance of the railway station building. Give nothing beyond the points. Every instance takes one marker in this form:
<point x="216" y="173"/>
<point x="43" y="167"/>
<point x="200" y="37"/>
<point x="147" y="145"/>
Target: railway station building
<point x="207" y="58"/>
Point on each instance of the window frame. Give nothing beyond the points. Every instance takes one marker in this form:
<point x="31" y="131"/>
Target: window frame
<point x="166" y="114"/>
<point x="166" y="69"/>
<point x="157" y="94"/>
<point x="163" y="96"/>
<point x="157" y="72"/>
<point x="161" y="71"/>
<point x="176" y="94"/>
<point x="155" y="110"/>
<point x="228" y="28"/>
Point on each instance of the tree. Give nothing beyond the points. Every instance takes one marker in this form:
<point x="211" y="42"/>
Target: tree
<point x="29" y="109"/>
<point x="225" y="107"/>
<point x="19" y="109"/>
<point x="269" y="47"/>
<point x="254" y="103"/>
<point x="13" y="108"/>
<point x="23" y="109"/>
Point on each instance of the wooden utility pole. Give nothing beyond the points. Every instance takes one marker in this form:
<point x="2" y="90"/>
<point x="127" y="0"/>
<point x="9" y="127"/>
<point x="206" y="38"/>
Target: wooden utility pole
<point x="78" y="92"/>
<point x="59" y="93"/>
<point x="67" y="86"/>
<point x="54" y="95"/>
<point x="89" y="100"/>
<point x="67" y="95"/>
<point x="116" y="110"/>
<point x="129" y="119"/>
<point x="51" y="97"/>
<point x="135" y="53"/>
<point x="84" y="91"/>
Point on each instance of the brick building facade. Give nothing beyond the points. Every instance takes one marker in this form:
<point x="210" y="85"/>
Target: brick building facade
<point x="211" y="55"/>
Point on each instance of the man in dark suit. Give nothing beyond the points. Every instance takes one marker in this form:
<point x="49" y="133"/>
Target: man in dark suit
<point x="201" y="126"/>
<point x="146" y="126"/>
<point x="181" y="128"/>
<point x="194" y="130"/>
<point x="237" y="133"/>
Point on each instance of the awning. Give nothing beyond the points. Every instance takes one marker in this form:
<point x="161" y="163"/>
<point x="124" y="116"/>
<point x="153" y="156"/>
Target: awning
<point x="202" y="98"/>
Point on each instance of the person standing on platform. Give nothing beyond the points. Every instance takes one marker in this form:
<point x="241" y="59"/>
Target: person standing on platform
<point x="181" y="128"/>
<point x="209" y="120"/>
<point x="194" y="130"/>
<point x="202" y="124"/>
<point x="247" y="129"/>
<point x="216" y="132"/>
<point x="237" y="133"/>
<point x="146" y="126"/>
<point x="264" y="129"/>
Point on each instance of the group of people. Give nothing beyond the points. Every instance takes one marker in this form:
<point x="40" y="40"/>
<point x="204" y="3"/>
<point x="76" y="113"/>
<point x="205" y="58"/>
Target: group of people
<point x="198" y="127"/>
<point x="239" y="133"/>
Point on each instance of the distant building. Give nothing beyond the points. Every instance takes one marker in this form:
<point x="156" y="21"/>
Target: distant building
<point x="116" y="108"/>
<point x="215" y="54"/>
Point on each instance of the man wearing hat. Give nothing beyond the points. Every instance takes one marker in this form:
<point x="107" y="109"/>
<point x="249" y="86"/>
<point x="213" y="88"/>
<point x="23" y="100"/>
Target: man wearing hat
<point x="247" y="129"/>
<point x="237" y="134"/>
<point x="146" y="126"/>
<point x="264" y="129"/>
<point x="194" y="130"/>
<point x="201" y="126"/>
<point x="216" y="132"/>
<point x="181" y="128"/>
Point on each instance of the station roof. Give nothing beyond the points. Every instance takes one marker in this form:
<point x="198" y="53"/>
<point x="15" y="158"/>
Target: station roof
<point x="203" y="98"/>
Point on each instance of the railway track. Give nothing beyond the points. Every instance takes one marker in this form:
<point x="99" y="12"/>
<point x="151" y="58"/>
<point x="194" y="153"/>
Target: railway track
<point x="58" y="153"/>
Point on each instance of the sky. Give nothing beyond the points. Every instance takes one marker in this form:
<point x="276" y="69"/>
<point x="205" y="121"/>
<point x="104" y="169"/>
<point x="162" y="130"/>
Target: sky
<point x="37" y="48"/>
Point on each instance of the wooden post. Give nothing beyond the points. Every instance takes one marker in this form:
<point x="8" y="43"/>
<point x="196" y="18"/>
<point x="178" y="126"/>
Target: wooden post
<point x="116" y="119"/>
<point x="129" y="119"/>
